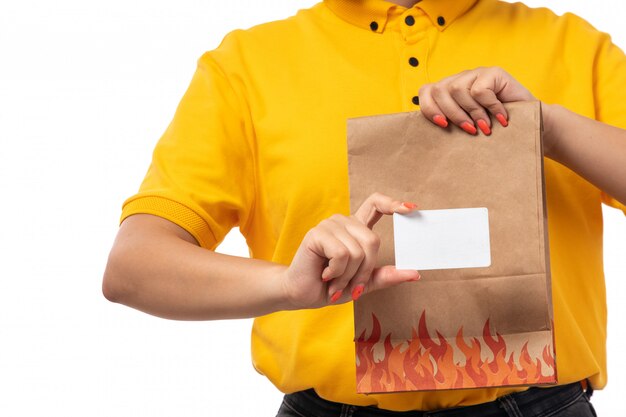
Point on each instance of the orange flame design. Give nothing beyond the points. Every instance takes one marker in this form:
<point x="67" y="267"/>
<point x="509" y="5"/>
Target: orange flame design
<point x="422" y="363"/>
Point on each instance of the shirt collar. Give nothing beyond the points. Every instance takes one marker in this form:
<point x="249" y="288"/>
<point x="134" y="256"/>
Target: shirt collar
<point x="373" y="14"/>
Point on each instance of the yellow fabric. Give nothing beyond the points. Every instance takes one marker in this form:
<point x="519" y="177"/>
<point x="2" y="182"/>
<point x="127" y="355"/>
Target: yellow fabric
<point x="259" y="141"/>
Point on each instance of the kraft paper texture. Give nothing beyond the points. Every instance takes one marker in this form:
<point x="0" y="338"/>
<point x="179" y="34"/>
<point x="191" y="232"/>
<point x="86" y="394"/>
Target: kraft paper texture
<point x="467" y="327"/>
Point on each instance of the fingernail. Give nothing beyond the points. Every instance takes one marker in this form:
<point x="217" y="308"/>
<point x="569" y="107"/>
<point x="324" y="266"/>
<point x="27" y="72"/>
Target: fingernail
<point x="469" y="128"/>
<point x="336" y="296"/>
<point x="417" y="278"/>
<point x="440" y="120"/>
<point x="483" y="126"/>
<point x="357" y="291"/>
<point x="502" y="119"/>
<point x="325" y="275"/>
<point x="409" y="274"/>
<point x="409" y="205"/>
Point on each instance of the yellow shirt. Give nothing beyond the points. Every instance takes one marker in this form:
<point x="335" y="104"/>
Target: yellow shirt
<point x="259" y="142"/>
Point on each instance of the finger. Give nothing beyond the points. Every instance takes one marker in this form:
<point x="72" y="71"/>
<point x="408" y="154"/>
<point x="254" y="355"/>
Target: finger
<point x="370" y="243"/>
<point x="429" y="107"/>
<point x="483" y="92"/>
<point x="388" y="276"/>
<point x="493" y="87"/>
<point x="325" y="245"/>
<point x="355" y="258"/>
<point x="451" y="109"/>
<point x="460" y="91"/>
<point x="374" y="206"/>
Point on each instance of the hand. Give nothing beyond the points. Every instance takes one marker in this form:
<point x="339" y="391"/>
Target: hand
<point x="467" y="97"/>
<point x="336" y="259"/>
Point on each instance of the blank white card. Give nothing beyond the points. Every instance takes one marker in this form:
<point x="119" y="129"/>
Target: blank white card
<point x="442" y="239"/>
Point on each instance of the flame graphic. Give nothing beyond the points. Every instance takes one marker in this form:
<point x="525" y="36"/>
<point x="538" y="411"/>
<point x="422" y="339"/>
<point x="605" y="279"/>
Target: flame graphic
<point x="422" y="363"/>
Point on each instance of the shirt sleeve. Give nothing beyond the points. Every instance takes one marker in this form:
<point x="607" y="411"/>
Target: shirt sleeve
<point x="609" y="88"/>
<point x="202" y="172"/>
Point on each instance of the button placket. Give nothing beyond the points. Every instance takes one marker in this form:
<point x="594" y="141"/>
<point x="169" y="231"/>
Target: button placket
<point x="413" y="69"/>
<point x="414" y="25"/>
<point x="413" y="28"/>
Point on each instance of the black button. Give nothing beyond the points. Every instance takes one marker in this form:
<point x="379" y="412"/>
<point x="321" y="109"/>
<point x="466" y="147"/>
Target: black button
<point x="416" y="100"/>
<point x="413" y="62"/>
<point x="374" y="26"/>
<point x="441" y="21"/>
<point x="409" y="20"/>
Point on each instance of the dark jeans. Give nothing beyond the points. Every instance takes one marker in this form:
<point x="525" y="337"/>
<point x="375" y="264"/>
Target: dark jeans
<point x="562" y="401"/>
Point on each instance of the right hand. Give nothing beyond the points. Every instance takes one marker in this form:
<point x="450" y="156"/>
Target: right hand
<point x="336" y="260"/>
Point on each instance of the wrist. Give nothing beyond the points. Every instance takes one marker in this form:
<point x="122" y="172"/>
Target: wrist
<point x="287" y="297"/>
<point x="550" y="115"/>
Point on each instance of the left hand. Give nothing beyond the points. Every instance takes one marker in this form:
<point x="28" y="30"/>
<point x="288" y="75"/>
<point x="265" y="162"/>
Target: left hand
<point x="593" y="150"/>
<point x="466" y="98"/>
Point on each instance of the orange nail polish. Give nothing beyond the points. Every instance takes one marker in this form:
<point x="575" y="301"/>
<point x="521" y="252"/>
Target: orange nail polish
<point x="357" y="291"/>
<point x="336" y="296"/>
<point x="483" y="126"/>
<point x="469" y="128"/>
<point x="440" y="120"/>
<point x="502" y="119"/>
<point x="409" y="205"/>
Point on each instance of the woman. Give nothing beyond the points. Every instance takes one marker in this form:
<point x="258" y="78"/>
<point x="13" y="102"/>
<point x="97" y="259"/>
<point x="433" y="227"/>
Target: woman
<point x="258" y="142"/>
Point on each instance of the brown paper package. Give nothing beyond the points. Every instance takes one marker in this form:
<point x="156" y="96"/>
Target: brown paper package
<point x="467" y="327"/>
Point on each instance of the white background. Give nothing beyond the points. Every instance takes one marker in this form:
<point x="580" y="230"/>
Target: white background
<point x="86" y="89"/>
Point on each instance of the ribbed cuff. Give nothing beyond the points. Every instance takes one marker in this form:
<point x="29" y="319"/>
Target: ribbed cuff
<point x="173" y="211"/>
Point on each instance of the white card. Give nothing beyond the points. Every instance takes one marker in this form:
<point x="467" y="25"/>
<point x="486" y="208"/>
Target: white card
<point x="442" y="239"/>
